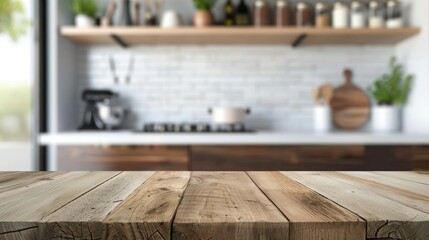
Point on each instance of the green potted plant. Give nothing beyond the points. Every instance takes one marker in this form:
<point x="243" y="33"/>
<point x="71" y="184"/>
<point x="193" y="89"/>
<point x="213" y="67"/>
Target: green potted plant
<point x="12" y="19"/>
<point x="203" y="16"/>
<point x="390" y="92"/>
<point x="86" y="12"/>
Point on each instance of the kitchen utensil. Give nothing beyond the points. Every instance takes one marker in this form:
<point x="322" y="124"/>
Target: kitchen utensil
<point x="317" y="96"/>
<point x="107" y="20"/>
<point x="111" y="113"/>
<point x="113" y="70"/>
<point x="130" y="70"/>
<point x="350" y="105"/>
<point x="323" y="94"/>
<point x="171" y="19"/>
<point x="327" y="91"/>
<point x="91" y="117"/>
<point x="225" y="116"/>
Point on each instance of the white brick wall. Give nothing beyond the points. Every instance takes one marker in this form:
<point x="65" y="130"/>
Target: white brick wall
<point x="179" y="83"/>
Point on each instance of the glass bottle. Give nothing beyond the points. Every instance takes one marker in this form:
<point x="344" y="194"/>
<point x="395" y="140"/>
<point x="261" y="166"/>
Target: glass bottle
<point x="260" y="13"/>
<point x="358" y="15"/>
<point x="323" y="16"/>
<point x="340" y="15"/>
<point x="304" y="15"/>
<point x="242" y="15"/>
<point x="125" y="17"/>
<point x="229" y="13"/>
<point x="376" y="14"/>
<point x="394" y="14"/>
<point x="283" y="13"/>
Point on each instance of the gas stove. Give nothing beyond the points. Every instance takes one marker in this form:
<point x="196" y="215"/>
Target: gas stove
<point x="194" y="128"/>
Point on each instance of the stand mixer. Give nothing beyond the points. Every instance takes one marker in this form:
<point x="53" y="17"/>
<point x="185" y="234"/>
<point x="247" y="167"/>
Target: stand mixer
<point x="91" y="117"/>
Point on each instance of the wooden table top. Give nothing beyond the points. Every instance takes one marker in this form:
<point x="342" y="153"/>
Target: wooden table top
<point x="214" y="205"/>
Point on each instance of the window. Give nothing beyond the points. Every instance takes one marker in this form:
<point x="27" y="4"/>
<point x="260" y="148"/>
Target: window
<point x="17" y="74"/>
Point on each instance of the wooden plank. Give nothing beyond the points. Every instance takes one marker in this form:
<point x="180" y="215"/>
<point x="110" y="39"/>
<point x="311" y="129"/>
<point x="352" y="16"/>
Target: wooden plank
<point x="27" y="206"/>
<point x="227" y="205"/>
<point x="412" y="187"/>
<point x="26" y="180"/>
<point x="38" y="200"/>
<point x="6" y="177"/>
<point x="83" y="218"/>
<point x="311" y="216"/>
<point x="414" y="200"/>
<point x="148" y="212"/>
<point x="238" y="35"/>
<point x="408" y="176"/>
<point x="385" y="218"/>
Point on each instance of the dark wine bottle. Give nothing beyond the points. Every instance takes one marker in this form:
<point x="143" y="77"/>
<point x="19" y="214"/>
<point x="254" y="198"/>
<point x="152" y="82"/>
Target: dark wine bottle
<point x="229" y="13"/>
<point x="128" y="19"/>
<point x="242" y="16"/>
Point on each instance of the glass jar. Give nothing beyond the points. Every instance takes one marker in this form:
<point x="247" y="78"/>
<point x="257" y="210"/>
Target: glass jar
<point x="323" y="15"/>
<point x="260" y="13"/>
<point x="376" y="14"/>
<point x="340" y="15"/>
<point x="358" y="15"/>
<point x="394" y="14"/>
<point x="304" y="15"/>
<point x="283" y="13"/>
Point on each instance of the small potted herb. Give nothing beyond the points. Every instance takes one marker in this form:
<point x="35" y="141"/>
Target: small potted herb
<point x="390" y="92"/>
<point x="86" y="12"/>
<point x="203" y="16"/>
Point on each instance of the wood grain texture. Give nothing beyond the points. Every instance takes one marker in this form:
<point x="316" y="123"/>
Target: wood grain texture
<point x="274" y="158"/>
<point x="311" y="216"/>
<point x="408" y="176"/>
<point x="417" y="188"/>
<point x="40" y="200"/>
<point x="238" y="35"/>
<point x="22" y="209"/>
<point x="148" y="212"/>
<point x="139" y="158"/>
<point x="227" y="205"/>
<point x="350" y="105"/>
<point x="245" y="158"/>
<point x="83" y="218"/>
<point x="214" y="205"/>
<point x="412" y="199"/>
<point x="385" y="218"/>
<point x="27" y="179"/>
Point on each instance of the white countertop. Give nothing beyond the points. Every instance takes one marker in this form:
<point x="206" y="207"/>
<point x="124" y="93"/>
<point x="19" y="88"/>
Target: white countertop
<point x="258" y="138"/>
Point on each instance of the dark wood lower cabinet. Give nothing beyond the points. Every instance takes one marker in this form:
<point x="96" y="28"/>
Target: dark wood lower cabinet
<point x="141" y="158"/>
<point x="245" y="158"/>
<point x="277" y="158"/>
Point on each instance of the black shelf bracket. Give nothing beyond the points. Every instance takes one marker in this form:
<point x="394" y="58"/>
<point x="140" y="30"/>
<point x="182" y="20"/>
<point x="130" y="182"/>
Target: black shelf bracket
<point x="298" y="41"/>
<point x="119" y="40"/>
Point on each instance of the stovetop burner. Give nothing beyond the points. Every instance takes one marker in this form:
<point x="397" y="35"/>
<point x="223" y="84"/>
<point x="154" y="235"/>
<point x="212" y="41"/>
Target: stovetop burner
<point x="194" y="128"/>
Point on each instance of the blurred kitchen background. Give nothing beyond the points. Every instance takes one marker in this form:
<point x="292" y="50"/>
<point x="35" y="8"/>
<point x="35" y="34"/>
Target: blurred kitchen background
<point x="175" y="96"/>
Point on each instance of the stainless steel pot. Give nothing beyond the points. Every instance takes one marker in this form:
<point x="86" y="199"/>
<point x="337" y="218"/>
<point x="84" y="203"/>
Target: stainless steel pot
<point x="223" y="115"/>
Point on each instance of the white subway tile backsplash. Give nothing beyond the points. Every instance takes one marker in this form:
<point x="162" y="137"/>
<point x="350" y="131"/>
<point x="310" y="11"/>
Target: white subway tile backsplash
<point x="179" y="83"/>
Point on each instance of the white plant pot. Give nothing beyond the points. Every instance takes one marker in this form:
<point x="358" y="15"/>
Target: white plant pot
<point x="386" y="119"/>
<point x="83" y="21"/>
<point x="322" y="119"/>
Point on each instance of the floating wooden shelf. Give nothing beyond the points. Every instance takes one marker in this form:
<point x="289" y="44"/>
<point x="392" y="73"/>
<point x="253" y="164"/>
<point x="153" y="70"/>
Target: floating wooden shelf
<point x="129" y="36"/>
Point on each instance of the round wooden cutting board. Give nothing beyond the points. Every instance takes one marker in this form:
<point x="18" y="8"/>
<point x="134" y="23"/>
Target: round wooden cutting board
<point x="350" y="105"/>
